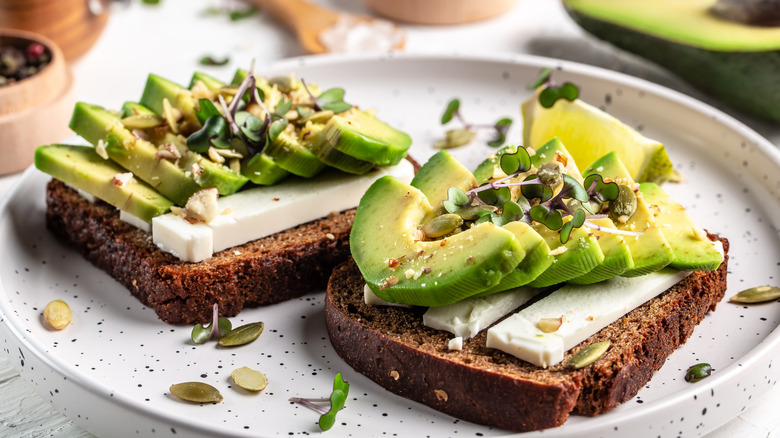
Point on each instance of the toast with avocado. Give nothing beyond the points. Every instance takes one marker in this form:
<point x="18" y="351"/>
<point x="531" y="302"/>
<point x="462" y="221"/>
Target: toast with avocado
<point x="215" y="193"/>
<point x="487" y="291"/>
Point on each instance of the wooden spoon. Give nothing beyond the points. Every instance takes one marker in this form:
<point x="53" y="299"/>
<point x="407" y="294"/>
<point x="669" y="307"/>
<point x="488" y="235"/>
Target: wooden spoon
<point x="309" y="20"/>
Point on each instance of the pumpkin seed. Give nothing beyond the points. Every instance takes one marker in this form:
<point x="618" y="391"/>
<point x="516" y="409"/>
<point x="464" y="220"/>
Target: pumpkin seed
<point x="242" y="335"/>
<point x="142" y="121"/>
<point x="588" y="355"/>
<point x="198" y="392"/>
<point x="759" y="294"/>
<point x="624" y="206"/>
<point x="171" y="115"/>
<point x="318" y="117"/>
<point x="283" y="83"/>
<point x="470" y="213"/>
<point x="249" y="379"/>
<point x="442" y="225"/>
<point x="550" y="174"/>
<point x="454" y="138"/>
<point x="57" y="313"/>
<point x="698" y="372"/>
<point x="228" y="90"/>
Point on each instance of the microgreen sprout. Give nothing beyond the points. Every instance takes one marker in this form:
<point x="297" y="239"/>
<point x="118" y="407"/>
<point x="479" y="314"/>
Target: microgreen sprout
<point x="219" y="327"/>
<point x="211" y="61"/>
<point x="233" y="13"/>
<point x="337" y="400"/>
<point x="468" y="131"/>
<point x="549" y="196"/>
<point x="331" y="99"/>
<point x="551" y="92"/>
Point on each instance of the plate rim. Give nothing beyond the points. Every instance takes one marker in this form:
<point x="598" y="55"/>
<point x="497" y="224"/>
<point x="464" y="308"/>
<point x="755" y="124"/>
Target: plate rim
<point x="754" y="356"/>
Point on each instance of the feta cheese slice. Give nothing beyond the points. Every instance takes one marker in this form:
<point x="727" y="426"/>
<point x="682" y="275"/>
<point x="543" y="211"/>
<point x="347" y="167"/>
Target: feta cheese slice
<point x="468" y="317"/>
<point x="261" y="211"/>
<point x="585" y="310"/>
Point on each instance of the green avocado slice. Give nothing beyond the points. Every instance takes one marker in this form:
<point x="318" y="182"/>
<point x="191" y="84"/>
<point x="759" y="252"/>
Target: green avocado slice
<point x="693" y="251"/>
<point x="402" y="269"/>
<point x="84" y="169"/>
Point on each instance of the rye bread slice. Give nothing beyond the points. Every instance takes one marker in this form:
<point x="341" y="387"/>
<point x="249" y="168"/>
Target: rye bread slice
<point x="266" y="271"/>
<point x="391" y="346"/>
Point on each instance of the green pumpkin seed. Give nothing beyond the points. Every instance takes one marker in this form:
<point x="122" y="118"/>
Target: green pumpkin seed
<point x="318" y="117"/>
<point x="442" y="225"/>
<point x="242" y="335"/>
<point x="759" y="294"/>
<point x="142" y="121"/>
<point x="198" y="392"/>
<point x="454" y="138"/>
<point x="249" y="379"/>
<point x="698" y="372"/>
<point x="283" y="83"/>
<point x="550" y="174"/>
<point x="588" y="355"/>
<point x="470" y="213"/>
<point x="624" y="206"/>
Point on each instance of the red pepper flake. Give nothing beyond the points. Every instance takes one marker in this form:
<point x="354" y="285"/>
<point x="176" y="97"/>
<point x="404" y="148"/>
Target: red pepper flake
<point x="393" y="263"/>
<point x="470" y="260"/>
<point x="443" y="242"/>
<point x="426" y="270"/>
<point x="276" y="199"/>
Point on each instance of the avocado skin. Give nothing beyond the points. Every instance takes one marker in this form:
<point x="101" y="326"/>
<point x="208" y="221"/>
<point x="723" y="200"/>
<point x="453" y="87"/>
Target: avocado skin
<point x="747" y="81"/>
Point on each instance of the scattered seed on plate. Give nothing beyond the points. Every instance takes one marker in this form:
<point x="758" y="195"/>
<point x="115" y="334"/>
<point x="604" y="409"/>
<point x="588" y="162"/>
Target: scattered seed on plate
<point x="198" y="392"/>
<point x="57" y="314"/>
<point x="242" y="335"/>
<point x="249" y="379"/>
<point x="758" y="294"/>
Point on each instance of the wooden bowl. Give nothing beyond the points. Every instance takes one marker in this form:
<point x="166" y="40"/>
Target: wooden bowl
<point x="34" y="110"/>
<point x="440" y="12"/>
<point x="74" y="25"/>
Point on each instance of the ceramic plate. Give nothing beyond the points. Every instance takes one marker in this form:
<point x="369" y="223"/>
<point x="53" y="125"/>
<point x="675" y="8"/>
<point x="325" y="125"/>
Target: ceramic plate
<point x="110" y="370"/>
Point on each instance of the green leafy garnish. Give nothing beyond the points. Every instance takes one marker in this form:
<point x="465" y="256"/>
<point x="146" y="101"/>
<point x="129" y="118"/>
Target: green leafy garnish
<point x="464" y="135"/>
<point x="219" y="327"/>
<point x="551" y="92"/>
<point x="211" y="61"/>
<point x="331" y="99"/>
<point x="206" y="109"/>
<point x="337" y="400"/>
<point x="549" y="196"/>
<point x="214" y="132"/>
<point x="240" y="14"/>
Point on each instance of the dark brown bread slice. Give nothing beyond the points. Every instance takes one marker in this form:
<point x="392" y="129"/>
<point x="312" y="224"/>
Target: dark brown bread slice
<point x="391" y="346"/>
<point x="273" y="269"/>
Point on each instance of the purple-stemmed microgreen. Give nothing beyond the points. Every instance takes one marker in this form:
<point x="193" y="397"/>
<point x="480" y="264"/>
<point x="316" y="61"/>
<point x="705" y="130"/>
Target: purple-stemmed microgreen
<point x="546" y="197"/>
<point x="551" y="92"/>
<point x="468" y="131"/>
<point x="331" y="99"/>
<point x="337" y="400"/>
<point x="219" y="326"/>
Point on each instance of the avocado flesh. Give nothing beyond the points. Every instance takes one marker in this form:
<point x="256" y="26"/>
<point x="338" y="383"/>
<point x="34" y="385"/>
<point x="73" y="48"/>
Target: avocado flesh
<point x="537" y="258"/>
<point x="294" y="156"/>
<point x="213" y="174"/>
<point x="438" y="174"/>
<point x="736" y="63"/>
<point x="650" y="251"/>
<point x="692" y="250"/>
<point x="582" y="255"/>
<point x="617" y="255"/>
<point x="212" y="83"/>
<point x="95" y="123"/>
<point x="84" y="169"/>
<point x="363" y="137"/>
<point x="428" y="273"/>
<point x="134" y="108"/>
<point x="262" y="170"/>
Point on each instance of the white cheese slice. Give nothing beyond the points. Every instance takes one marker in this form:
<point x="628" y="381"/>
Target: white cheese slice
<point x="585" y="310"/>
<point x="135" y="221"/>
<point x="261" y="211"/>
<point x="468" y="317"/>
<point x="370" y="298"/>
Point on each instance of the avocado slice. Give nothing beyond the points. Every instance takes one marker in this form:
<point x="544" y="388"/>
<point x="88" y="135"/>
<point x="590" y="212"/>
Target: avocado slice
<point x="262" y="170"/>
<point x="399" y="268"/>
<point x="95" y="123"/>
<point x="693" y="251"/>
<point x="212" y="83"/>
<point x="294" y="155"/>
<point x="741" y="61"/>
<point x="438" y="174"/>
<point x="617" y="255"/>
<point x="134" y="108"/>
<point x="575" y="258"/>
<point x="650" y="251"/>
<point x="211" y="174"/>
<point x="84" y="169"/>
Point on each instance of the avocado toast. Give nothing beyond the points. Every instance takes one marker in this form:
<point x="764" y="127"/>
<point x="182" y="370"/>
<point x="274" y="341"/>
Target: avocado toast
<point x="640" y="278"/>
<point x="193" y="196"/>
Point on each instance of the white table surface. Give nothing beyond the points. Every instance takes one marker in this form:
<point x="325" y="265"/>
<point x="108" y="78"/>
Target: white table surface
<point x="171" y="37"/>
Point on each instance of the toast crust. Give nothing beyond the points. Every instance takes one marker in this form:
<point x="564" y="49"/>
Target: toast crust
<point x="391" y="346"/>
<point x="266" y="271"/>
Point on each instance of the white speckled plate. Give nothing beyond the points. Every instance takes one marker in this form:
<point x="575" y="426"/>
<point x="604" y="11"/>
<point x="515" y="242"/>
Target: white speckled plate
<point x="111" y="368"/>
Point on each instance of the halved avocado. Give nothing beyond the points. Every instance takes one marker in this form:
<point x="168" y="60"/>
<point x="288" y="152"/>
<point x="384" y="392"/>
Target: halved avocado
<point x="735" y="62"/>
